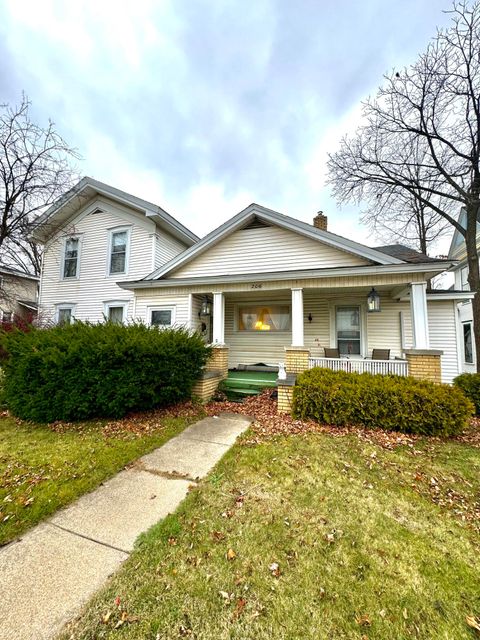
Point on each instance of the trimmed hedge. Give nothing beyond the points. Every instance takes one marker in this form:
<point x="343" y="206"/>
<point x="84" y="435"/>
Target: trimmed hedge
<point x="83" y="370"/>
<point x="393" y="403"/>
<point x="469" y="383"/>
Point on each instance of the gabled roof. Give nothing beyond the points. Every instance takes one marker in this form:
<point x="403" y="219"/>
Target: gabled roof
<point x="87" y="188"/>
<point x="406" y="254"/>
<point x="255" y="212"/>
<point x="457" y="245"/>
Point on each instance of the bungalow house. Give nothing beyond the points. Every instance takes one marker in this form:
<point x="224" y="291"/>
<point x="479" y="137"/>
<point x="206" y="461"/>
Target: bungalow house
<point x="262" y="288"/>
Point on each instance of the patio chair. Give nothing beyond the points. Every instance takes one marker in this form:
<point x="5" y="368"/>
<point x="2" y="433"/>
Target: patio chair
<point x="331" y="353"/>
<point x="380" y="354"/>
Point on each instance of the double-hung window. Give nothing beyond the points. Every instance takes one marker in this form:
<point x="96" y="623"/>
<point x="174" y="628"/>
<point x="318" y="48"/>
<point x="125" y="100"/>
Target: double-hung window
<point x="70" y="258"/>
<point x="116" y="311"/>
<point x="65" y="313"/>
<point x="118" y="259"/>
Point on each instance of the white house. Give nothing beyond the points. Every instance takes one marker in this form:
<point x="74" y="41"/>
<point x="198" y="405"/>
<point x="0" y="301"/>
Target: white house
<point x="263" y="287"/>
<point x="458" y="254"/>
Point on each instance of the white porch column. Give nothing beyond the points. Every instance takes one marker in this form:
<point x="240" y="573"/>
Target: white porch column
<point x="218" y="318"/>
<point x="418" y="307"/>
<point x="297" y="318"/>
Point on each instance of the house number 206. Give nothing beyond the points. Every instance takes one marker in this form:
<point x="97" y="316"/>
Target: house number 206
<point x="256" y="285"/>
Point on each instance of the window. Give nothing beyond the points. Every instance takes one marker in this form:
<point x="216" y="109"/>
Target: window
<point x="7" y="316"/>
<point x="164" y="317"/>
<point x="70" y="260"/>
<point x="272" y="317"/>
<point x="348" y="330"/>
<point x="118" y="251"/>
<point x="116" y="311"/>
<point x="65" y="313"/>
<point x="464" y="279"/>
<point x="467" y="342"/>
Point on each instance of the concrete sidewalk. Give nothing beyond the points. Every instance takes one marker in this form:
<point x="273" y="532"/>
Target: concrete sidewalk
<point x="47" y="576"/>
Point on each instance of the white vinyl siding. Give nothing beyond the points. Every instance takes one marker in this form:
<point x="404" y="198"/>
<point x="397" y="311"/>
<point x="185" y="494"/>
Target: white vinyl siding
<point x="150" y="299"/>
<point x="166" y="248"/>
<point x="94" y="286"/>
<point x="443" y="335"/>
<point x="265" y="250"/>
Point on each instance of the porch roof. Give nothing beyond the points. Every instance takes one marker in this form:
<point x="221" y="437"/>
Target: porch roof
<point x="419" y="270"/>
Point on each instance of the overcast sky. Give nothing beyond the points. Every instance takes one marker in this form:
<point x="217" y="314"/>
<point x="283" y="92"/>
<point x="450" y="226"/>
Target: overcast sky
<point x="206" y="106"/>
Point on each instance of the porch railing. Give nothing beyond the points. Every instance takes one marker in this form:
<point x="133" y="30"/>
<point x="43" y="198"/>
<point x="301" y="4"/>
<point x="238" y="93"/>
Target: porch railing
<point x="382" y="367"/>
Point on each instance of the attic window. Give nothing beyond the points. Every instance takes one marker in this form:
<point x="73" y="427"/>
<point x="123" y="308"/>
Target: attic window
<point x="256" y="223"/>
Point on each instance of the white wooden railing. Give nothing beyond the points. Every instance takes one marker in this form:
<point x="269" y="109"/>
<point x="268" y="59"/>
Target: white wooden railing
<point x="382" y="367"/>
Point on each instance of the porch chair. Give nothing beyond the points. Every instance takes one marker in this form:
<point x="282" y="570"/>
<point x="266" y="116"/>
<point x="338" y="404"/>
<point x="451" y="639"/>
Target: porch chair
<point x="380" y="354"/>
<point x="331" y="352"/>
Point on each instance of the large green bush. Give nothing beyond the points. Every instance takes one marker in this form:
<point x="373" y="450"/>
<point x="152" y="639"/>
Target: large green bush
<point x="469" y="383"/>
<point x="394" y="403"/>
<point x="82" y="370"/>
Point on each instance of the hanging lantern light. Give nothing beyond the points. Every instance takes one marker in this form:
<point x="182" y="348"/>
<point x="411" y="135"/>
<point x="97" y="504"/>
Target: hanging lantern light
<point x="205" y="309"/>
<point x="373" y="301"/>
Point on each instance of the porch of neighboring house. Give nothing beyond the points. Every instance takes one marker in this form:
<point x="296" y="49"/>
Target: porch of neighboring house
<point x="295" y="325"/>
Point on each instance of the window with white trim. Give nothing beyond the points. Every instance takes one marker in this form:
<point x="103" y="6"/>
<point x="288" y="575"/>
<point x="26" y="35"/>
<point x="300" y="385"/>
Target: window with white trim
<point x="118" y="258"/>
<point x="162" y="316"/>
<point x="65" y="313"/>
<point x="348" y="331"/>
<point x="7" y="316"/>
<point x="266" y="317"/>
<point x="71" y="256"/>
<point x="467" y="343"/>
<point x="116" y="311"/>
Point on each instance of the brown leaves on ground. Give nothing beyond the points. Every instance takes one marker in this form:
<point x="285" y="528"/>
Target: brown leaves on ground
<point x="473" y="622"/>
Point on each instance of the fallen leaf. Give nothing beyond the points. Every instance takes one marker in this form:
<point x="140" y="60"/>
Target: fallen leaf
<point x="363" y="621"/>
<point x="106" y="617"/>
<point x="239" y="607"/>
<point x="231" y="555"/>
<point x="473" y="622"/>
<point x="274" y="569"/>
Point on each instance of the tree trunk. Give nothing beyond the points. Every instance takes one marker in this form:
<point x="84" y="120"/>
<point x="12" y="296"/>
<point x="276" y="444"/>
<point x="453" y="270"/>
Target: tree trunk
<point x="474" y="273"/>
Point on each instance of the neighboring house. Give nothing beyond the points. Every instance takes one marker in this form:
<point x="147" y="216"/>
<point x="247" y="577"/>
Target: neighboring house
<point x="95" y="236"/>
<point x="458" y="253"/>
<point x="18" y="294"/>
<point x="263" y="287"/>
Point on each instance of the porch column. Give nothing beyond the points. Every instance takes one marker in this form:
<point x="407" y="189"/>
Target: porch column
<point x="218" y="337"/>
<point x="297" y="317"/>
<point x="418" y="307"/>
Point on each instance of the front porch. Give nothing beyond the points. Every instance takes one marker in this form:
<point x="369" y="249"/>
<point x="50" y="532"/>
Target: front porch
<point x="272" y="327"/>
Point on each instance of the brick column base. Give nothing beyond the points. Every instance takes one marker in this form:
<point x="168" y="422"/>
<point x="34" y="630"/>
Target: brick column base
<point x="424" y="364"/>
<point x="206" y="386"/>
<point x="296" y="359"/>
<point x="218" y="360"/>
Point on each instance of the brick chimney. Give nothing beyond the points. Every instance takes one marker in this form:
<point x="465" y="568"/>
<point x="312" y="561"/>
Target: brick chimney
<point x="320" y="221"/>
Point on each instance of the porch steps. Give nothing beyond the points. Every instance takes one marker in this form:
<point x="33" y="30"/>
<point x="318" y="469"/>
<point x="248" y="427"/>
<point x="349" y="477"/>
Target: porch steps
<point x="240" y="384"/>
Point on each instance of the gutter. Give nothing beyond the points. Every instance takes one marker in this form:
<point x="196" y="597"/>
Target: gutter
<point x="430" y="267"/>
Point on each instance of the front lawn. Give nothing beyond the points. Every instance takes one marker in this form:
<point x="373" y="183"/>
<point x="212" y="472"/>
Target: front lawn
<point x="319" y="535"/>
<point x="45" y="467"/>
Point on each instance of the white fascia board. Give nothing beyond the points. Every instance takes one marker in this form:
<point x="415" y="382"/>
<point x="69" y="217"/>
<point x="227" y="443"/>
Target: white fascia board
<point x="431" y="268"/>
<point x="280" y="220"/>
<point x="459" y="295"/>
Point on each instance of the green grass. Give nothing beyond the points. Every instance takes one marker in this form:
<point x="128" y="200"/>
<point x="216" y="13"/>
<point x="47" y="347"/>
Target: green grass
<point x="42" y="469"/>
<point x="363" y="550"/>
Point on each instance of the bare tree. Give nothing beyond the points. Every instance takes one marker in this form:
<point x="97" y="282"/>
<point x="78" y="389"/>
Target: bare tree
<point x="434" y="106"/>
<point x="396" y="214"/>
<point x="35" y="170"/>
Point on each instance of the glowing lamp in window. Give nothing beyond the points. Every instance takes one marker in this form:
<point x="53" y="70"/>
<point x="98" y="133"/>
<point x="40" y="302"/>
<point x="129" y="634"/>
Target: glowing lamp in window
<point x="373" y="301"/>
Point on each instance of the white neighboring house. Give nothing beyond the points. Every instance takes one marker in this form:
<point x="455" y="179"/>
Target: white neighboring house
<point x="458" y="253"/>
<point x="95" y="236"/>
<point x="262" y="288"/>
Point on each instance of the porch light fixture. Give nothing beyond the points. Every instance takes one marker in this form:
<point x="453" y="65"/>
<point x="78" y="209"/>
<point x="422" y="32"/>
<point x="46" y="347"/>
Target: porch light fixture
<point x="206" y="308"/>
<point x="373" y="301"/>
